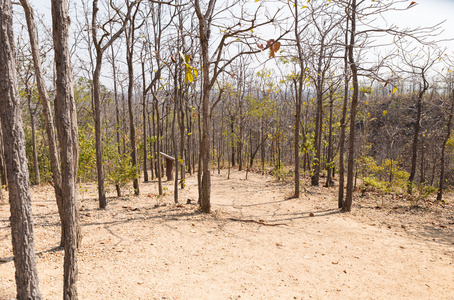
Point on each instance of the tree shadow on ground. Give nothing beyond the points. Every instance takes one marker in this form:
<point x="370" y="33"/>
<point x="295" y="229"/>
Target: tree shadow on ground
<point x="4" y="260"/>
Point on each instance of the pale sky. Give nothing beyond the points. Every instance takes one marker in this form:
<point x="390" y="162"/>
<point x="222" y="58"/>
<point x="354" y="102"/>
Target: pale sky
<point x="425" y="13"/>
<point x="428" y="13"/>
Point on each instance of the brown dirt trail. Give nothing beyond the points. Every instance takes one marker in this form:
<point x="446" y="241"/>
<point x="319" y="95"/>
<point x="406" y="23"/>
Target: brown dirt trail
<point x="257" y="244"/>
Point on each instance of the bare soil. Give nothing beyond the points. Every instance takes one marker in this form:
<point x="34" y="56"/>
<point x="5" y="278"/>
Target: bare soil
<point x="257" y="244"/>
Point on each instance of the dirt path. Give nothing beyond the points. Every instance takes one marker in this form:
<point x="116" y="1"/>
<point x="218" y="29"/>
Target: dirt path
<point x="257" y="244"/>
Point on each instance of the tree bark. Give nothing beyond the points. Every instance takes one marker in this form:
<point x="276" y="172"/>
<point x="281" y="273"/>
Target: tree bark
<point x="329" y="178"/>
<point x="47" y="111"/>
<point x="204" y="28"/>
<point x="33" y="125"/>
<point x="98" y="140"/>
<point x="315" y="178"/>
<point x="4" y="181"/>
<point x="416" y="135"/>
<point x="144" y="115"/>
<point x="343" y="125"/>
<point x="66" y="120"/>
<point x="351" y="143"/>
<point x="27" y="285"/>
<point x="117" y="112"/>
<point x="442" y="159"/>
<point x="132" y="129"/>
<point x="158" y="144"/>
<point x="299" y="99"/>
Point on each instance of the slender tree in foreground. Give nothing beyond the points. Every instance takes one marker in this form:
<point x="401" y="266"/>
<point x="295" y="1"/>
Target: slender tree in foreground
<point x="65" y="112"/>
<point x="27" y="285"/>
<point x="47" y="112"/>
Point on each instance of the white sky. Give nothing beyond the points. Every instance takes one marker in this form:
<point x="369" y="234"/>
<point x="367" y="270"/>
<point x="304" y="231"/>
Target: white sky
<point x="425" y="13"/>
<point x="428" y="13"/>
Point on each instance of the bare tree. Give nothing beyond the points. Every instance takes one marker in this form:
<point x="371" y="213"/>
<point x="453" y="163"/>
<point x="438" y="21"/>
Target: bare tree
<point x="216" y="64"/>
<point x="100" y="48"/>
<point x="298" y="96"/>
<point x="416" y="62"/>
<point x="361" y="31"/>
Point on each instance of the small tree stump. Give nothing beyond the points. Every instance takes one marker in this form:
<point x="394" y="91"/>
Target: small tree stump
<point x="169" y="165"/>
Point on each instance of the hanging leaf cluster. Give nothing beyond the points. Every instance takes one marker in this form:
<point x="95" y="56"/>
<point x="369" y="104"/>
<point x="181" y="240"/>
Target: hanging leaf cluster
<point x="191" y="72"/>
<point x="274" y="47"/>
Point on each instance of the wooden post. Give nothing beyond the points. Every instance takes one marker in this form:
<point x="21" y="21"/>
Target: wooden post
<point x="169" y="165"/>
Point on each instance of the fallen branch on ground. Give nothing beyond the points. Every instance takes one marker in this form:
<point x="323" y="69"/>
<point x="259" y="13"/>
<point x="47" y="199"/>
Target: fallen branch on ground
<point x="261" y="222"/>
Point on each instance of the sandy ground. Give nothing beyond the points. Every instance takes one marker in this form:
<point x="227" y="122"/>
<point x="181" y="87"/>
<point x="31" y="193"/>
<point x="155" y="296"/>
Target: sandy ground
<point x="257" y="244"/>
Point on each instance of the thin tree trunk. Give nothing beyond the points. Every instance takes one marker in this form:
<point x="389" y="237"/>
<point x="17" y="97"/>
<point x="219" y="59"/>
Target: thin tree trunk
<point x="262" y="146"/>
<point x="442" y="159"/>
<point x="422" y="173"/>
<point x="415" y="138"/>
<point x="4" y="181"/>
<point x="65" y="111"/>
<point x="26" y="275"/>
<point x="47" y="112"/>
<point x="199" y="158"/>
<point x="299" y="96"/>
<point x="98" y="140"/>
<point x="182" y="144"/>
<point x="174" y="138"/>
<point x="351" y="143"/>
<point x="315" y="178"/>
<point x="132" y="129"/>
<point x="204" y="31"/>
<point x="144" y="114"/>
<point x="158" y="145"/>
<point x="117" y="111"/>
<point x="33" y="125"/>
<point x="343" y="125"/>
<point x="329" y="168"/>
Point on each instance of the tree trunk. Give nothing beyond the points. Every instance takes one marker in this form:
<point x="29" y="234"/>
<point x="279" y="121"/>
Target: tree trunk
<point x="299" y="97"/>
<point x="144" y="114"/>
<point x="415" y="138"/>
<point x="27" y="285"/>
<point x="241" y="85"/>
<point x="422" y="173"/>
<point x="97" y="111"/>
<point x="158" y="145"/>
<point x="132" y="129"/>
<point x="174" y="138"/>
<point x="182" y="144"/>
<point x="204" y="32"/>
<point x="343" y="125"/>
<point x="47" y="112"/>
<point x="442" y="159"/>
<point x="4" y="181"/>
<point x="351" y="143"/>
<point x="98" y="140"/>
<point x="117" y="111"/>
<point x="232" y="134"/>
<point x="262" y="146"/>
<point x="329" y="168"/>
<point x="315" y="178"/>
<point x="199" y="158"/>
<point x="66" y="120"/>
<point x="33" y="125"/>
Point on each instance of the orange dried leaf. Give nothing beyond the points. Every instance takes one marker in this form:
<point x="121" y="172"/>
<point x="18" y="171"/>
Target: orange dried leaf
<point x="412" y="3"/>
